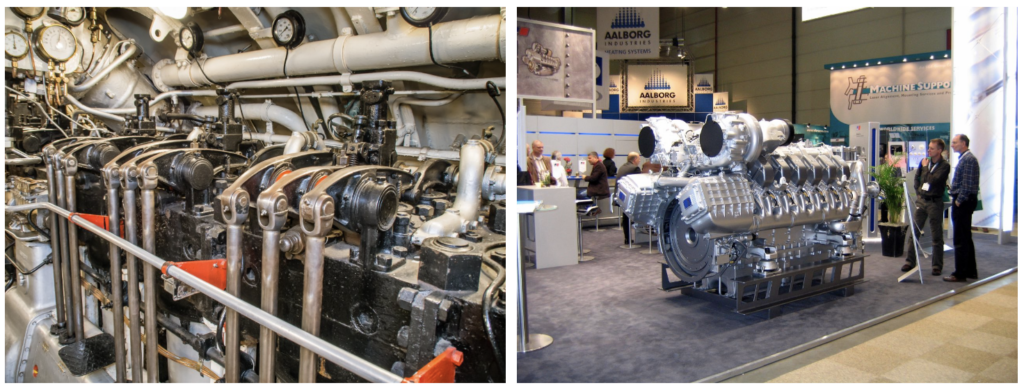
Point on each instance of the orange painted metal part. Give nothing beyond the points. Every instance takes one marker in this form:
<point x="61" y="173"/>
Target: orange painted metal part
<point x="214" y="272"/>
<point x="282" y="175"/>
<point x="439" y="370"/>
<point x="102" y="221"/>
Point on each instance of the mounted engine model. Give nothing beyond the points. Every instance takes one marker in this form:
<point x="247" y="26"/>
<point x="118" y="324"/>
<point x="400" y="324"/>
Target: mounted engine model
<point x="743" y="213"/>
<point x="250" y="194"/>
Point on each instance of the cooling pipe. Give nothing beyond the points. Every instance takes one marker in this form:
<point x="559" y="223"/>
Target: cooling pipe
<point x="467" y="201"/>
<point x="132" y="49"/>
<point x="266" y="112"/>
<point x="474" y="39"/>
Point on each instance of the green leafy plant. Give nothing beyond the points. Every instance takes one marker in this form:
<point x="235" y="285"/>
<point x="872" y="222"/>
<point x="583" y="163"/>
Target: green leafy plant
<point x="891" y="186"/>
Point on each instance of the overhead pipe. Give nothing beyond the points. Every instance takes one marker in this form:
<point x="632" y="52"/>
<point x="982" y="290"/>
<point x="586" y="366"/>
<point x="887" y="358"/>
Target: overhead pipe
<point x="148" y="179"/>
<point x="473" y="39"/>
<point x="129" y="181"/>
<point x="419" y="153"/>
<point x="329" y="352"/>
<point x="467" y="199"/>
<point x="349" y="79"/>
<point x="266" y="112"/>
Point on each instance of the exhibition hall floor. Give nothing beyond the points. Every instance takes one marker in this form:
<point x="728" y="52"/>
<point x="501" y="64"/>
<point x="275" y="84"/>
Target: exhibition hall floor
<point x="611" y="322"/>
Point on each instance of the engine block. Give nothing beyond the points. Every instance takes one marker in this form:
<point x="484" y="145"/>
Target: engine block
<point x="737" y="202"/>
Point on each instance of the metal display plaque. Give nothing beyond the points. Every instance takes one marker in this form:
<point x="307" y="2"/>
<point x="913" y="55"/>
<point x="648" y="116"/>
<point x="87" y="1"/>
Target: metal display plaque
<point x="656" y="86"/>
<point x="555" y="62"/>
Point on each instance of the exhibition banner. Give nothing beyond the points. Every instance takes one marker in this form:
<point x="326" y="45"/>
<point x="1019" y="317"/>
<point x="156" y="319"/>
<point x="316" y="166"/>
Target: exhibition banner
<point x="628" y="32"/>
<point x="914" y="92"/>
<point x="554" y="62"/>
<point x="721" y="100"/>
<point x="703" y="83"/>
<point x="985" y="105"/>
<point x="656" y="86"/>
<point x="602" y="80"/>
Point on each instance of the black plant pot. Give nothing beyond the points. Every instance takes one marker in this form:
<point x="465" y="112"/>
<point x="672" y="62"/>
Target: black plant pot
<point x="893" y="239"/>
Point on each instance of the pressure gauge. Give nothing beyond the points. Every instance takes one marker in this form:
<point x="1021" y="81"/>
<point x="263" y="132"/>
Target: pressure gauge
<point x="423" y="16"/>
<point x="70" y="15"/>
<point x="289" y="29"/>
<point x="29" y="13"/>
<point x="15" y="45"/>
<point x="191" y="39"/>
<point x="56" y="43"/>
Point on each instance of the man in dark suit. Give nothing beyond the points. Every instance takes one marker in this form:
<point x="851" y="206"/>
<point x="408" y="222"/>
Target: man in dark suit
<point x="598" y="178"/>
<point x="629" y="168"/>
<point x="538" y="165"/>
<point x="964" y="191"/>
<point x="930" y="183"/>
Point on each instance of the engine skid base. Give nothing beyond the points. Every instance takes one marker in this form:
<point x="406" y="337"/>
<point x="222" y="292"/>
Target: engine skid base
<point x="766" y="295"/>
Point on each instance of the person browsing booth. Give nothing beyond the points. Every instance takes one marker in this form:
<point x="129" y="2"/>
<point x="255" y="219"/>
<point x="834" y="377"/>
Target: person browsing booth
<point x="930" y="183"/>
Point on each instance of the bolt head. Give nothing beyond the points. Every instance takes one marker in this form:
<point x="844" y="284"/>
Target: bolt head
<point x="405" y="297"/>
<point x="444" y="310"/>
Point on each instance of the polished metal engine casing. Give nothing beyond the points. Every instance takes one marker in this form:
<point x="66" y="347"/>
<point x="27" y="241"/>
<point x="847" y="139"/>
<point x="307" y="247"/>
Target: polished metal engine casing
<point x="735" y="200"/>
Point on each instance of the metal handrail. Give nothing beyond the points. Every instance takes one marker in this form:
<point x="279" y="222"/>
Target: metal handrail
<point x="331" y="353"/>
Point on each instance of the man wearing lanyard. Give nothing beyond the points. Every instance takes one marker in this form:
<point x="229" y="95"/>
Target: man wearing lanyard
<point x="930" y="183"/>
<point x="965" y="199"/>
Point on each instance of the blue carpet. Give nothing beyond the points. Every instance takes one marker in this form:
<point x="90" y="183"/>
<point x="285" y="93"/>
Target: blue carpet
<point x="612" y="323"/>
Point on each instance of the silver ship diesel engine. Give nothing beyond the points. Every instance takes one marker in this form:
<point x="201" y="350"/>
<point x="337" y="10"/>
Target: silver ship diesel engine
<point x="743" y="213"/>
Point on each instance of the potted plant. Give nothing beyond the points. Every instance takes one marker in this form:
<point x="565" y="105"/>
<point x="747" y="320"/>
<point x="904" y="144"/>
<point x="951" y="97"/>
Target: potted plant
<point x="890" y="184"/>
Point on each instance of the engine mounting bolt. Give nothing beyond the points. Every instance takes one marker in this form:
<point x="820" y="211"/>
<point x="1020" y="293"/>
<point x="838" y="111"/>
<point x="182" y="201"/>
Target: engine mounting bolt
<point x="405" y="297"/>
<point x="443" y="310"/>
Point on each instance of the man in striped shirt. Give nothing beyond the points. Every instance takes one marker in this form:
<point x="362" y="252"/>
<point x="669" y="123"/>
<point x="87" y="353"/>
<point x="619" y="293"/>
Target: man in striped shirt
<point x="964" y="192"/>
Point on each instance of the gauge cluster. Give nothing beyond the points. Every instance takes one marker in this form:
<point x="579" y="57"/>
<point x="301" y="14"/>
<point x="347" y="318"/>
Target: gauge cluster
<point x="49" y="36"/>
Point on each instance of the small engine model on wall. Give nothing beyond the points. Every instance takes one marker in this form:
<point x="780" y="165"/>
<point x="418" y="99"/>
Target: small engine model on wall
<point x="743" y="214"/>
<point x="180" y="211"/>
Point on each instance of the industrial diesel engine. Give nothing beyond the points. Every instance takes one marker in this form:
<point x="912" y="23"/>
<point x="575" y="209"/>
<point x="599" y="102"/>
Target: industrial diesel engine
<point x="255" y="195"/>
<point x="744" y="213"/>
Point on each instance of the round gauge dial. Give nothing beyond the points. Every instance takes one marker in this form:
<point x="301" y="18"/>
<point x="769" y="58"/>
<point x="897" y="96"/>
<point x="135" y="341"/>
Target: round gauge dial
<point x="289" y="29"/>
<point x="15" y="45"/>
<point x="29" y="12"/>
<point x="74" y="15"/>
<point x="423" y="16"/>
<point x="57" y="43"/>
<point x="190" y="38"/>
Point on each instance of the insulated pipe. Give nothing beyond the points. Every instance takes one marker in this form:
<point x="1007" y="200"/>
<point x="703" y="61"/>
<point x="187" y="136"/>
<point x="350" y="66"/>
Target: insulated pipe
<point x="70" y="168"/>
<point x="265" y="112"/>
<point x="350" y="79"/>
<point x="467" y="200"/>
<point x="420" y="153"/>
<point x="103" y="73"/>
<point x="328" y="351"/>
<point x="148" y="180"/>
<point x="96" y="112"/>
<point x="114" y="214"/>
<point x="55" y="243"/>
<point x="129" y="182"/>
<point x="474" y="39"/>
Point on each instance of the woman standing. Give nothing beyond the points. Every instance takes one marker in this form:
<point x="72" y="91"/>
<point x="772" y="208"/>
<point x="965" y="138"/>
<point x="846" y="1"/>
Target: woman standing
<point x="609" y="164"/>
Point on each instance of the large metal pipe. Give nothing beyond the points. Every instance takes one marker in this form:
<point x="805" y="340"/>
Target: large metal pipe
<point x="148" y="180"/>
<point x="265" y="112"/>
<point x="114" y="215"/>
<point x="129" y="181"/>
<point x="70" y="168"/>
<point x="474" y="39"/>
<point x="467" y="201"/>
<point x="349" y="79"/>
<point x="94" y="111"/>
<point x="331" y="353"/>
<point x="55" y="243"/>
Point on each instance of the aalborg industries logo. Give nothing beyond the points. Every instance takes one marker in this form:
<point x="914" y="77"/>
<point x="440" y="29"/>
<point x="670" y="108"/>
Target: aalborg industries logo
<point x="720" y="101"/>
<point x="628" y="18"/>
<point x="657" y="82"/>
<point x="704" y="82"/>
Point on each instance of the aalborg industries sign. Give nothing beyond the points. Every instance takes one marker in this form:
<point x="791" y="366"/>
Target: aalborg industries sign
<point x="628" y="32"/>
